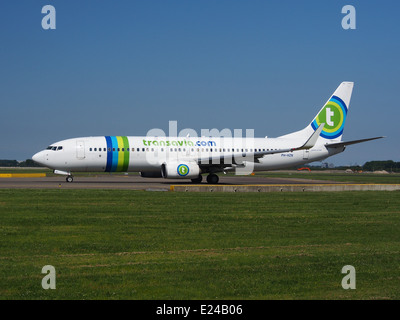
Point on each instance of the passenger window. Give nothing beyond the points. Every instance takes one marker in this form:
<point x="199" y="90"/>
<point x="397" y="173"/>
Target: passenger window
<point x="90" y="149"/>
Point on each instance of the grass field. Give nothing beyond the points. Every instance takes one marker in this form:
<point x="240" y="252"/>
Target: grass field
<point x="338" y="176"/>
<point x="164" y="245"/>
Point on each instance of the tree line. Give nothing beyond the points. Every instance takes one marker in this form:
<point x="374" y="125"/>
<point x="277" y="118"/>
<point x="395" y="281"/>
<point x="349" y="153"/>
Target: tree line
<point x="389" y="166"/>
<point x="15" y="163"/>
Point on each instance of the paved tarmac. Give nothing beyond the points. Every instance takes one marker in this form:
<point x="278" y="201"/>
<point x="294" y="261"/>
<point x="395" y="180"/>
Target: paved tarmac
<point x="134" y="182"/>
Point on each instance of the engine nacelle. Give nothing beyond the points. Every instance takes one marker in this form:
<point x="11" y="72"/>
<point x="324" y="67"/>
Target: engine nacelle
<point x="180" y="170"/>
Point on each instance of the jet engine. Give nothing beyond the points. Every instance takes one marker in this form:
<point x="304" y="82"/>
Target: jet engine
<point x="180" y="170"/>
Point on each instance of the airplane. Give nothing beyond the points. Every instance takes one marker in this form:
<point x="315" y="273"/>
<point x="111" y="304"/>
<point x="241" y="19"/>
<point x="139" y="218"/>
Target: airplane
<point x="191" y="157"/>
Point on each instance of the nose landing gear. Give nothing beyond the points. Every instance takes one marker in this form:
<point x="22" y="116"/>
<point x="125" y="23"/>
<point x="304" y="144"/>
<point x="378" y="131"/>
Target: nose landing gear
<point x="69" y="177"/>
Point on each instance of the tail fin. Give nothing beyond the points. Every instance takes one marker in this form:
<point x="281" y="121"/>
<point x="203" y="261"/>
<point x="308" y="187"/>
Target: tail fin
<point x="333" y="114"/>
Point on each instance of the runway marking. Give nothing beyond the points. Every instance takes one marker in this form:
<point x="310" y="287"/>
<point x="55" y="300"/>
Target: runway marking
<point x="22" y="175"/>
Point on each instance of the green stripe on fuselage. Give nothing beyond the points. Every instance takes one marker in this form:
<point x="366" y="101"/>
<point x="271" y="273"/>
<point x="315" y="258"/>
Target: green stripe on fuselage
<point x="126" y="153"/>
<point x="123" y="154"/>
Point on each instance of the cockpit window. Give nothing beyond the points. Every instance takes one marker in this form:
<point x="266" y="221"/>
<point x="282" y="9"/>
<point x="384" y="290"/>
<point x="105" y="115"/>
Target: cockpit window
<point x="54" y="148"/>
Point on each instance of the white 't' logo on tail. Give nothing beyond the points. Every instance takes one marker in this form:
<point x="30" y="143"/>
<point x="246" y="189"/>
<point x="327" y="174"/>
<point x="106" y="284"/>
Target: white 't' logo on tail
<point x="329" y="115"/>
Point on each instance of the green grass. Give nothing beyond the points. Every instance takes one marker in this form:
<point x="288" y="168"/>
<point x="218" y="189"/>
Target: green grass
<point x="393" y="178"/>
<point x="118" y="244"/>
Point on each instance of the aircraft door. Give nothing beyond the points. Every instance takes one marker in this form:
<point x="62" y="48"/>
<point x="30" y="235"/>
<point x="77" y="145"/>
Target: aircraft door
<point x="306" y="154"/>
<point x="80" y="149"/>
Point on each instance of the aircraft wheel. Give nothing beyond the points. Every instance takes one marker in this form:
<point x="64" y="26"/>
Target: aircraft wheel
<point x="198" y="179"/>
<point x="69" y="179"/>
<point x="212" y="178"/>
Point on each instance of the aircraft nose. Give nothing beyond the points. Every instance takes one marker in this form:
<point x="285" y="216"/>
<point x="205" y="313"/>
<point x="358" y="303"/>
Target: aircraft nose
<point x="38" y="157"/>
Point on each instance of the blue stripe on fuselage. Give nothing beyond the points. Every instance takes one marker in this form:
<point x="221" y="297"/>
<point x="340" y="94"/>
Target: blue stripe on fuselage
<point x="109" y="154"/>
<point x="114" y="143"/>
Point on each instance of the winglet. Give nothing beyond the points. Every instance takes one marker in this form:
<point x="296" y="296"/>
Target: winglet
<point x="312" y="140"/>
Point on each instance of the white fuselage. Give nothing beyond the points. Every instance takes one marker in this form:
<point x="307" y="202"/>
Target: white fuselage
<point x="147" y="154"/>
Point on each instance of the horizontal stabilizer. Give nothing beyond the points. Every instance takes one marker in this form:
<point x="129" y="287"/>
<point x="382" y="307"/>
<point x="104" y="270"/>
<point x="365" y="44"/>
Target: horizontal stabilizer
<point x="347" y="143"/>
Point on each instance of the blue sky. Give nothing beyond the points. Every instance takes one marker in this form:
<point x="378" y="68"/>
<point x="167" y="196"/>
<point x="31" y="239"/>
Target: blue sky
<point x="125" y="67"/>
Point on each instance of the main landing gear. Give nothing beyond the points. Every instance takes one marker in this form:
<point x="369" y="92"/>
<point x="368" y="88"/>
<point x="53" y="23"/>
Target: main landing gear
<point x="69" y="178"/>
<point x="198" y="179"/>
<point x="212" y="178"/>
